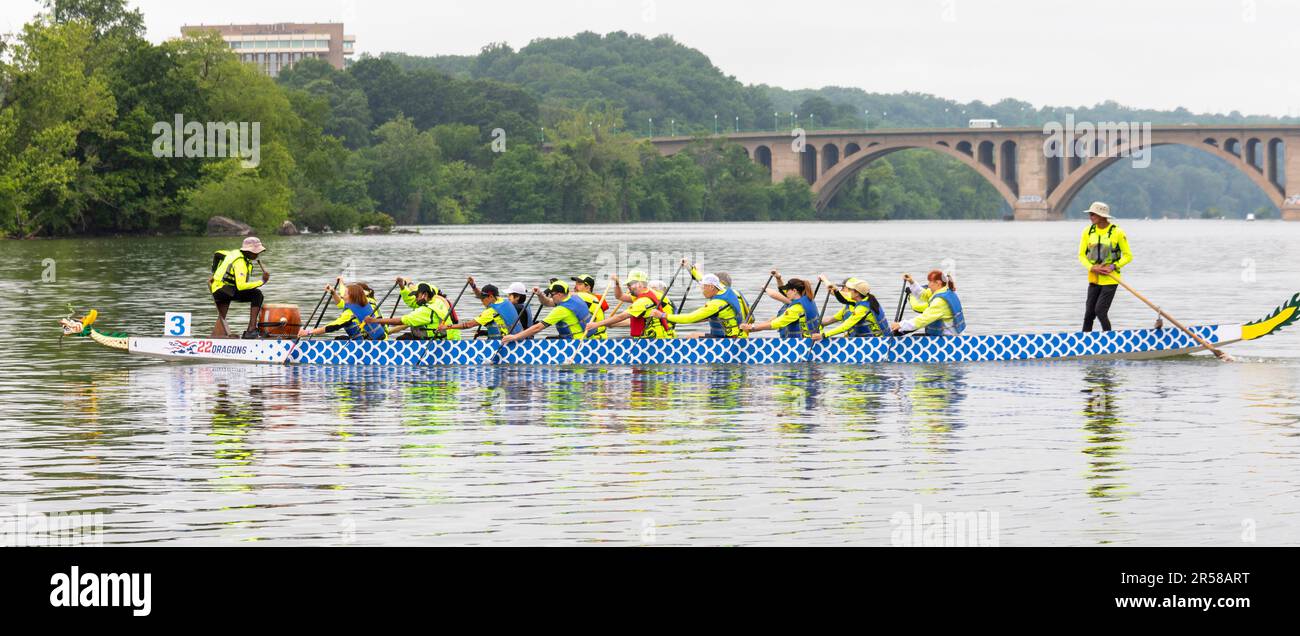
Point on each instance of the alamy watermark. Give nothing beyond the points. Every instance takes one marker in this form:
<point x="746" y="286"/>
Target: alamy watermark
<point x="1087" y="139"/>
<point x="197" y="140"/>
<point x="19" y="528"/>
<point x="944" y="529"/>
<point x="656" y="265"/>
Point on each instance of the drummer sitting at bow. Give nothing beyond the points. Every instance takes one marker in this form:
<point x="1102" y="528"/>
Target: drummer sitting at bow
<point x="229" y="283"/>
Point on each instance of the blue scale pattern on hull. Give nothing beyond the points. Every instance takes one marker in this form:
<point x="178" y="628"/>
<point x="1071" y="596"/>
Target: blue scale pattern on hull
<point x="627" y="351"/>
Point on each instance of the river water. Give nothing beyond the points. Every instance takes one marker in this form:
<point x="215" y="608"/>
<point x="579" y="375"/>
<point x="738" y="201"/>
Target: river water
<point x="1187" y="451"/>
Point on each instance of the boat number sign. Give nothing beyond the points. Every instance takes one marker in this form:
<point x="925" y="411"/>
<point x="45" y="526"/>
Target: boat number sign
<point x="176" y="324"/>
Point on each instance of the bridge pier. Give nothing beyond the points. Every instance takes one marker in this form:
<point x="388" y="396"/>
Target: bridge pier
<point x="1039" y="211"/>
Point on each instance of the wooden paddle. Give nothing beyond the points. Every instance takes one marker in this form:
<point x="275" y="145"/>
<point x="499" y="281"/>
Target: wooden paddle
<point x="574" y="355"/>
<point x="1219" y="353"/>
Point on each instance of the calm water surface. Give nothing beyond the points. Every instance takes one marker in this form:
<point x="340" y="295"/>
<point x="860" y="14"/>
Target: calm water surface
<point x="1180" y="452"/>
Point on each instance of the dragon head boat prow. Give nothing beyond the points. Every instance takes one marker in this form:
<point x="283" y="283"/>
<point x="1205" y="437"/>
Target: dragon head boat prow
<point x="78" y="327"/>
<point x="1281" y="317"/>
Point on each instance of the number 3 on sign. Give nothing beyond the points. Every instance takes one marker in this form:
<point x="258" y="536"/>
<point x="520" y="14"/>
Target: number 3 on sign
<point x="177" y="324"/>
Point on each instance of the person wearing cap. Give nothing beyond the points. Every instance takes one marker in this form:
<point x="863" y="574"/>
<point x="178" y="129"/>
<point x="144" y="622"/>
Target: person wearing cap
<point x="569" y="314"/>
<point x="1103" y="251"/>
<point x="938" y="304"/>
<point x="645" y="297"/>
<point x="498" y="317"/>
<point x="722" y="305"/>
<point x="862" y="315"/>
<point x="798" y="319"/>
<point x="518" y="296"/>
<point x="229" y="283"/>
<point x="582" y="288"/>
<point x="716" y="329"/>
<point x="429" y="309"/>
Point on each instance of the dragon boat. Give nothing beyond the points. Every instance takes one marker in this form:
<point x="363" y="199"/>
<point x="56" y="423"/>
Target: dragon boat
<point x="1075" y="345"/>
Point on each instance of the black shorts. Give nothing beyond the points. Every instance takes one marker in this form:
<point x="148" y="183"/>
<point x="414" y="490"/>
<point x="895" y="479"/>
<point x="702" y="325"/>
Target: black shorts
<point x="226" y="294"/>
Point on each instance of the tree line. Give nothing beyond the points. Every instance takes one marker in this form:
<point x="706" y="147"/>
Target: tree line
<point x="550" y="133"/>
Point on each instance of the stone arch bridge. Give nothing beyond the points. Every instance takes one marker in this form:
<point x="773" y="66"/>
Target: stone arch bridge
<point x="1038" y="173"/>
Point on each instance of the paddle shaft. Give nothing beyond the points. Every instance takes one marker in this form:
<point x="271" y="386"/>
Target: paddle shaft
<point x="674" y="280"/>
<point x="761" y="294"/>
<point x="829" y="291"/>
<point x="1203" y="342"/>
<point x="390" y="293"/>
<point x="458" y="296"/>
<point x="902" y="298"/>
<point x="320" y="306"/>
<point x="296" y="338"/>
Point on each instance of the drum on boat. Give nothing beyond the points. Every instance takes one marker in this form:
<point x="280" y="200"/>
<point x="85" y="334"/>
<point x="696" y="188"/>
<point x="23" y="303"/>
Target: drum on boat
<point x="280" y="320"/>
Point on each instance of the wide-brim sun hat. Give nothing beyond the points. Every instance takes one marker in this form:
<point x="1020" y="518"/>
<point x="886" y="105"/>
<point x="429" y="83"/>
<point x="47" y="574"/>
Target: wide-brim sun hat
<point x="253" y="244"/>
<point x="1100" y="209"/>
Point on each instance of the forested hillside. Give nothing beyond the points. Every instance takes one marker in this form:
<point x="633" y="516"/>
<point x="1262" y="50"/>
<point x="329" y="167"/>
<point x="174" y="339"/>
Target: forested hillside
<point x="553" y="132"/>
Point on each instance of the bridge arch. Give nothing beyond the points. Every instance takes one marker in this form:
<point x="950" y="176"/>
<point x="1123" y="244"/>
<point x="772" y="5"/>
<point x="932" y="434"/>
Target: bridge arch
<point x="1060" y="198"/>
<point x="830" y="157"/>
<point x="763" y="155"/>
<point x="834" y="178"/>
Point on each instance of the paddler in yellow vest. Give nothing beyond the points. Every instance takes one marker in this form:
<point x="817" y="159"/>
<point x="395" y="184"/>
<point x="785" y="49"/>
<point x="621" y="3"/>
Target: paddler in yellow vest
<point x="646" y="296"/>
<point x="356" y="308"/>
<point x="798" y="319"/>
<point x="1103" y="251"/>
<point x="716" y="329"/>
<point x="721" y="304"/>
<point x="498" y="316"/>
<point x="862" y="315"/>
<point x="229" y="283"/>
<point x="569" y="314"/>
<point x="938" y="304"/>
<point x="339" y="301"/>
<point x="596" y="306"/>
<point x="429" y="309"/>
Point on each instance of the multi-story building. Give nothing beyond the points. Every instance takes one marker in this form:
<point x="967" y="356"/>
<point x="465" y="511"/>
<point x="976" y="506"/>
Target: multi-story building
<point x="276" y="47"/>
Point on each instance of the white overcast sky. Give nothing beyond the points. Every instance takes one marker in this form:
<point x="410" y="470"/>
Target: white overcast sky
<point x="1206" y="55"/>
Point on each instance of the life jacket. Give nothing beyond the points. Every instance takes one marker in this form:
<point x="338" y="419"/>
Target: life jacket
<point x="958" y="319"/>
<point x="874" y="323"/>
<point x="637" y="326"/>
<point x="431" y="330"/>
<point x="526" y="317"/>
<point x="223" y="267"/>
<point x="578" y="306"/>
<point x="801" y="327"/>
<point x="357" y="328"/>
<point x="597" y="312"/>
<point x="717" y="327"/>
<point x="454" y="318"/>
<point x="506" y="314"/>
<point x="1104" y="249"/>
